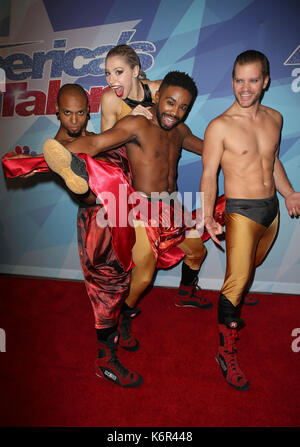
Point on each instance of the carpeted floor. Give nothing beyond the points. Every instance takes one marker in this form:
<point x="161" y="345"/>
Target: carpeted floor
<point x="47" y="372"/>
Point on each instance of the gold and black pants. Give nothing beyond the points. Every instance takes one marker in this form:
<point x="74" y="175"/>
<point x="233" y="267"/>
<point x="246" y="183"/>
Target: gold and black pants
<point x="251" y="227"/>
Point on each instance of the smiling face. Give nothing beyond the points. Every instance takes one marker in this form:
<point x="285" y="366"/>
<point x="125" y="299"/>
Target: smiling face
<point x="120" y="76"/>
<point x="73" y="112"/>
<point x="172" y="105"/>
<point x="248" y="83"/>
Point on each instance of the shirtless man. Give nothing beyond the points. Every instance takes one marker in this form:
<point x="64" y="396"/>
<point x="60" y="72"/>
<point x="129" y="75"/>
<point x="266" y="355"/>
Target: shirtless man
<point x="244" y="140"/>
<point x="154" y="148"/>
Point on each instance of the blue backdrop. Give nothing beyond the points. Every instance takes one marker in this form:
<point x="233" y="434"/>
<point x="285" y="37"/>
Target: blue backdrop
<point x="44" y="44"/>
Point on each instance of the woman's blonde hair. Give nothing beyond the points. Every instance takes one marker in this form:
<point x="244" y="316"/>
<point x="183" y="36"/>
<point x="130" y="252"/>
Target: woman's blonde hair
<point x="132" y="58"/>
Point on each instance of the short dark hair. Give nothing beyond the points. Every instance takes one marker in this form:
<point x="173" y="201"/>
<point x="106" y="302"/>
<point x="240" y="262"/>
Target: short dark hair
<point x="180" y="79"/>
<point x="76" y="88"/>
<point x="249" y="56"/>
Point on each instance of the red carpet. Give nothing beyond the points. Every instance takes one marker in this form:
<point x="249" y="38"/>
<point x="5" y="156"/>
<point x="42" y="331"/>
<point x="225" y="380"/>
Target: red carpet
<point x="47" y="372"/>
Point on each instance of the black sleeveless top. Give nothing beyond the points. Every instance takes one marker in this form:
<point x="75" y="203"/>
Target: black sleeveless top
<point x="146" y="102"/>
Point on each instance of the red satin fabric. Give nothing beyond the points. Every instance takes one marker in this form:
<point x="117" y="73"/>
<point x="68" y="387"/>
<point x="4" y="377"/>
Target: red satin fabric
<point x="166" y="234"/>
<point x="14" y="167"/>
<point x="106" y="177"/>
<point x="106" y="282"/>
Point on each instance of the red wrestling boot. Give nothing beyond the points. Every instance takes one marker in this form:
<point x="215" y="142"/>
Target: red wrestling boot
<point x="227" y="352"/>
<point x="127" y="340"/>
<point x="189" y="296"/>
<point x="227" y="357"/>
<point x="109" y="366"/>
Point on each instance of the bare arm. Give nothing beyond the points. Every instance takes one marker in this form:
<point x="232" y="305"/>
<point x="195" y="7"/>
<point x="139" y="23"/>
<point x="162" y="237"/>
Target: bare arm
<point x="109" y="110"/>
<point x="282" y="183"/>
<point x="283" y="186"/>
<point x="212" y="154"/>
<point x="121" y="133"/>
<point x="192" y="143"/>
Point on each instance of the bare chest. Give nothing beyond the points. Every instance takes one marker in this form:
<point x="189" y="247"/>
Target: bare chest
<point x="157" y="145"/>
<point x="250" y="139"/>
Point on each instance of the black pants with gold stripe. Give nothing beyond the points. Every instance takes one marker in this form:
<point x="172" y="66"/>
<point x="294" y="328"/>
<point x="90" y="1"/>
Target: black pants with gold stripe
<point x="251" y="228"/>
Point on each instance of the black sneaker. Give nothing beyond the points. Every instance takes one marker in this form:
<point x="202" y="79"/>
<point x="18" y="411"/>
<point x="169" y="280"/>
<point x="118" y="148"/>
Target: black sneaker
<point x="70" y="167"/>
<point x="109" y="367"/>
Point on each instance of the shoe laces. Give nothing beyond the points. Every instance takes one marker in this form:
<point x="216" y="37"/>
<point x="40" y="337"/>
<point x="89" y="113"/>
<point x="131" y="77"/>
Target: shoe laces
<point x="231" y="338"/>
<point x="231" y="350"/>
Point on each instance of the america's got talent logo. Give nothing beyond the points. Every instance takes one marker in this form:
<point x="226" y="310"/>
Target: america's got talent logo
<point x="292" y="60"/>
<point x="20" y="68"/>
